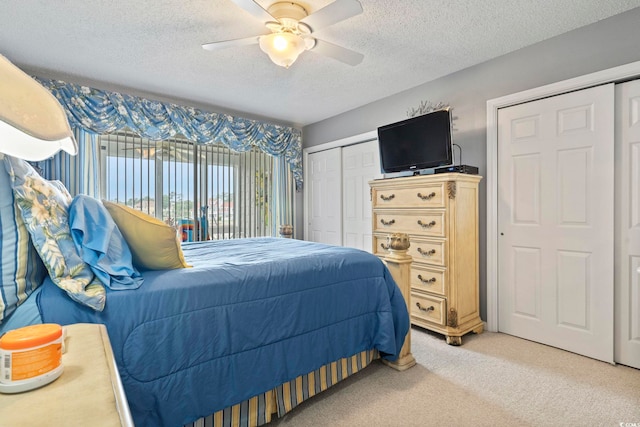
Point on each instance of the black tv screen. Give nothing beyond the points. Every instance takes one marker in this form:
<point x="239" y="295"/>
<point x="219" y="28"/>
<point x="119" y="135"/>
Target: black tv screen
<point x="420" y="142"/>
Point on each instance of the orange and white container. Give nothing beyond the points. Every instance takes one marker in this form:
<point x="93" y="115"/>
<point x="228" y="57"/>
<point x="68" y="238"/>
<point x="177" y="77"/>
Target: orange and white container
<point x="30" y="357"/>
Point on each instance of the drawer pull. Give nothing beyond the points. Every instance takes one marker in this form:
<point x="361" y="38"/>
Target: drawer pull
<point x="426" y="253"/>
<point x="427" y="225"/>
<point x="427" y="197"/>
<point x="387" y="198"/>
<point x="384" y="246"/>
<point x="390" y="222"/>
<point x="432" y="280"/>
<point x="428" y="309"/>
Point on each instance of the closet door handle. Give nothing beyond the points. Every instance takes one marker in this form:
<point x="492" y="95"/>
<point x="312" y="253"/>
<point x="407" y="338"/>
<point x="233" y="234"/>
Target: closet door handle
<point x="390" y="222"/>
<point x="426" y="253"/>
<point x="432" y="280"/>
<point x="427" y="197"/>
<point x="428" y="309"/>
<point x="387" y="198"/>
<point x="427" y="225"/>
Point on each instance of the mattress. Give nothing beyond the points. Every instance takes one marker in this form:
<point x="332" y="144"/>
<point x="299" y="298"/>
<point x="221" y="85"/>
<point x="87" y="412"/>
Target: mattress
<point x="251" y="314"/>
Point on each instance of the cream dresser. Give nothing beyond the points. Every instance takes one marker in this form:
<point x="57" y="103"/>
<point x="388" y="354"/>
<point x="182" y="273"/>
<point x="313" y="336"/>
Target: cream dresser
<point x="440" y="214"/>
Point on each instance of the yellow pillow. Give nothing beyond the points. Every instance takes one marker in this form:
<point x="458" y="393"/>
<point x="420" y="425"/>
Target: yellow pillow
<point x="154" y="245"/>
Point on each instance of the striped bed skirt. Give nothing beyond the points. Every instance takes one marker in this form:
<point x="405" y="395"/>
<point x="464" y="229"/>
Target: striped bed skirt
<point x="259" y="409"/>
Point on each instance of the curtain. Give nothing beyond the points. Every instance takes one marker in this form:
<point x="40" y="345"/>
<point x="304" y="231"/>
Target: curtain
<point x="101" y="112"/>
<point x="92" y="112"/>
<point x="80" y="174"/>
<point x="283" y="194"/>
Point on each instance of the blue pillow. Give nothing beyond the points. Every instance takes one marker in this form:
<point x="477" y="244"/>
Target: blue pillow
<point x="21" y="269"/>
<point x="101" y="245"/>
<point x="44" y="209"/>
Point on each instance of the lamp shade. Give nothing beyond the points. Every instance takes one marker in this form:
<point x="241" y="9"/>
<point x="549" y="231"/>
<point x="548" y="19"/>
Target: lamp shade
<point x="283" y="48"/>
<point x="33" y="124"/>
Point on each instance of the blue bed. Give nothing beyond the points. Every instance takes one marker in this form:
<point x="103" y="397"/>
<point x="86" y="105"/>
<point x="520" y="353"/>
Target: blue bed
<point x="250" y="315"/>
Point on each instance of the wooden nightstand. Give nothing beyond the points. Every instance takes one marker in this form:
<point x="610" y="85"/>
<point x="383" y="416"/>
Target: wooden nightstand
<point x="89" y="391"/>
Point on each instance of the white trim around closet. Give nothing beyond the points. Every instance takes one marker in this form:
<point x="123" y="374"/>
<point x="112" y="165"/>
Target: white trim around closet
<point x="617" y="74"/>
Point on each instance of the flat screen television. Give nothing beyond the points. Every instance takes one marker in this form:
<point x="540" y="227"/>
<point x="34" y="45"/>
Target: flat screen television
<point x="417" y="143"/>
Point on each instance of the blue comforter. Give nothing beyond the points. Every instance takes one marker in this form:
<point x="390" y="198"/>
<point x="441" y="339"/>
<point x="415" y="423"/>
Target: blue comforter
<point x="249" y="315"/>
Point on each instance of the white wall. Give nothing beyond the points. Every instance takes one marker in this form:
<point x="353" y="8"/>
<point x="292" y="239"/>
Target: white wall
<point x="605" y="44"/>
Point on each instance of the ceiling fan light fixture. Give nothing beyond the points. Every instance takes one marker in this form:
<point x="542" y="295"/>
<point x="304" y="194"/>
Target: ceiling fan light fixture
<point x="283" y="48"/>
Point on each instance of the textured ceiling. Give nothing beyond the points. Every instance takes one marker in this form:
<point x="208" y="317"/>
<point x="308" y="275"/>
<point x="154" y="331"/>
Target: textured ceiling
<point x="153" y="48"/>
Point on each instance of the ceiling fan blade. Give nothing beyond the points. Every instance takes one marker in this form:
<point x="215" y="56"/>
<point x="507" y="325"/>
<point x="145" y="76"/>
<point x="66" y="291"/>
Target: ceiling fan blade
<point x="340" y="53"/>
<point x="255" y="9"/>
<point x="333" y="13"/>
<point x="224" y="44"/>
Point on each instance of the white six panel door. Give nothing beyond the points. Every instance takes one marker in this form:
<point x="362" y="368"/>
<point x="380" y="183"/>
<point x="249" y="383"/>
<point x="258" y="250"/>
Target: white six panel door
<point x="325" y="198"/>
<point x="360" y="164"/>
<point x="555" y="219"/>
<point x="627" y="300"/>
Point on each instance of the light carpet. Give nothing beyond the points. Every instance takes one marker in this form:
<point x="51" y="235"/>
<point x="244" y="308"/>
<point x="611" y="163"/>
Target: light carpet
<point x="493" y="379"/>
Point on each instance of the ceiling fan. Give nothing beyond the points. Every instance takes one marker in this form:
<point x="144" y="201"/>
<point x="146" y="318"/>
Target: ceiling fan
<point x="291" y="29"/>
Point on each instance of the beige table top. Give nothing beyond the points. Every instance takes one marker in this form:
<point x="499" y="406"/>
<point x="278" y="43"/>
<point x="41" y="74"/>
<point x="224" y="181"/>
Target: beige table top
<point x="89" y="391"/>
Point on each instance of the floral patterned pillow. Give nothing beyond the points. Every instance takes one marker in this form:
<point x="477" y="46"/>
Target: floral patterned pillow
<point x="44" y="206"/>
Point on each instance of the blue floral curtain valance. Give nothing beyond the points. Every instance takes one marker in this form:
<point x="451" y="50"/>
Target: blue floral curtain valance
<point x="101" y="112"/>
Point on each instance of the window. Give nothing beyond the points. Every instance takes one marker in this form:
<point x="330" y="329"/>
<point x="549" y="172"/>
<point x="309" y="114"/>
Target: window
<point x="209" y="191"/>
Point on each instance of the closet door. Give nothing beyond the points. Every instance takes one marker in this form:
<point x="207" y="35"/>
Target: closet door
<point x="627" y="301"/>
<point x="324" y="204"/>
<point x="360" y="164"/>
<point x="555" y="221"/>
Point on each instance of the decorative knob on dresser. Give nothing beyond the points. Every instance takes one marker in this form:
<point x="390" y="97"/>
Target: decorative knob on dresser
<point x="426" y="225"/>
<point x="426" y="253"/>
<point x="432" y="280"/>
<point x="421" y="308"/>
<point x="427" y="197"/>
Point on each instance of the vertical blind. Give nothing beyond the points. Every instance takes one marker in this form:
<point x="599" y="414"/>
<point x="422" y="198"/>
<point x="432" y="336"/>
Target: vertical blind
<point x="209" y="191"/>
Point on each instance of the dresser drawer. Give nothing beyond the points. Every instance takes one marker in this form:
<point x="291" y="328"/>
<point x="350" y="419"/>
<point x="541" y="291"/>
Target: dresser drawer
<point x="423" y="251"/>
<point x="428" y="251"/>
<point x="428" y="279"/>
<point x="429" y="223"/>
<point x="428" y="308"/>
<point x="425" y="196"/>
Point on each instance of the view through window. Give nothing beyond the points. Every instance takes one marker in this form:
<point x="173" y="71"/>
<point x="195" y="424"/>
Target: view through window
<point x="207" y="191"/>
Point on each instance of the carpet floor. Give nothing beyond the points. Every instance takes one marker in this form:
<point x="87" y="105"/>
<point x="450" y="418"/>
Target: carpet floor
<point x="493" y="379"/>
